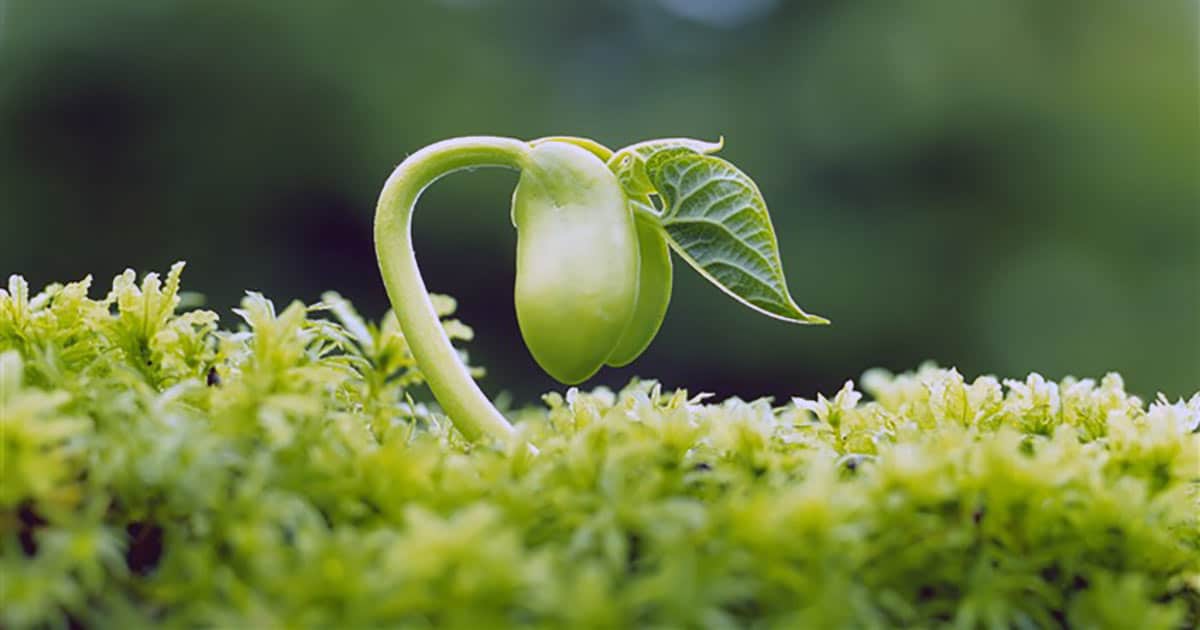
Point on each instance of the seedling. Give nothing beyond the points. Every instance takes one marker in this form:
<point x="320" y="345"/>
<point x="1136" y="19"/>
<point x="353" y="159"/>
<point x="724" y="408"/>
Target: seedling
<point x="595" y="229"/>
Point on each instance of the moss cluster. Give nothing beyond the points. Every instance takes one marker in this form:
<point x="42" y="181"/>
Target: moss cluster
<point x="159" y="470"/>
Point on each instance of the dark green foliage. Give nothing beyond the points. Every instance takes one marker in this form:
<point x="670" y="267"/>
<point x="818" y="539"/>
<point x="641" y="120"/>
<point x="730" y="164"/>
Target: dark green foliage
<point x="159" y="470"/>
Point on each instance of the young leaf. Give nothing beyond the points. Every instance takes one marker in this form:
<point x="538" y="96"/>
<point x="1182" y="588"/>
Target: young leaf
<point x="716" y="219"/>
<point x="629" y="163"/>
<point x="650" y="147"/>
<point x="630" y="170"/>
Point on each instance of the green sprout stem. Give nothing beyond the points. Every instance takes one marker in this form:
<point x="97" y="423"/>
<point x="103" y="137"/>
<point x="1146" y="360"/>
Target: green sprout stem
<point x="449" y="379"/>
<point x="593" y="276"/>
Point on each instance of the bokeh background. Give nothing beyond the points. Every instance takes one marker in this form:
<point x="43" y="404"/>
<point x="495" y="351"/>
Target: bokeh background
<point x="1002" y="186"/>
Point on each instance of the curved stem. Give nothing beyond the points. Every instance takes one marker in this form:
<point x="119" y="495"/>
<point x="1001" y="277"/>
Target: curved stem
<point x="462" y="400"/>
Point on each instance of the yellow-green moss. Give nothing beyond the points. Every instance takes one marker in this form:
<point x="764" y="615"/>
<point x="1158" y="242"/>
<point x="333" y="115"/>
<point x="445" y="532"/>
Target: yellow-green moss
<point x="157" y="470"/>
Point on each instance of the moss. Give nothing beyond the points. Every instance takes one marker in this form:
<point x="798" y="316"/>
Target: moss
<point x="160" y="470"/>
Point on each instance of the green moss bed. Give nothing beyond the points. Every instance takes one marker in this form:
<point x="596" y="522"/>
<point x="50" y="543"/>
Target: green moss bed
<point x="159" y="470"/>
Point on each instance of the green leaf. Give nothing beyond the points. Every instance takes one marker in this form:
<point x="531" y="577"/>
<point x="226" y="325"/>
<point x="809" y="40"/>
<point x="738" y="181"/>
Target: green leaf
<point x="630" y="170"/>
<point x="629" y="163"/>
<point x="648" y="148"/>
<point x="716" y="219"/>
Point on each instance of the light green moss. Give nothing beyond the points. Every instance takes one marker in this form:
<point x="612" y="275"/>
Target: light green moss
<point x="158" y="470"/>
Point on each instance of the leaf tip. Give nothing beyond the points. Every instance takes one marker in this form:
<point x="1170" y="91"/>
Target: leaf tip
<point x="798" y="316"/>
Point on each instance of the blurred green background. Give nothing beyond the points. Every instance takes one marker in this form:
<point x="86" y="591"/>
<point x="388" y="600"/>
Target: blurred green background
<point x="1002" y="186"/>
